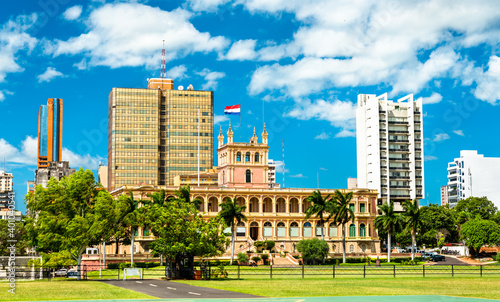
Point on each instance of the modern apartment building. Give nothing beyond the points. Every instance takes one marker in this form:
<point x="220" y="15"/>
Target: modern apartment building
<point x="390" y="147"/>
<point x="444" y="195"/>
<point x="158" y="133"/>
<point x="472" y="174"/>
<point x="50" y="118"/>
<point x="272" y="174"/>
<point x="6" y="189"/>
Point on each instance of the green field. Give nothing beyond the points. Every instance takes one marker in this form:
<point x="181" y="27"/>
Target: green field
<point x="66" y="290"/>
<point x="486" y="287"/>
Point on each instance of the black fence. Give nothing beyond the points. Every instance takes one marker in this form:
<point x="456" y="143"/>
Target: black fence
<point x="211" y="272"/>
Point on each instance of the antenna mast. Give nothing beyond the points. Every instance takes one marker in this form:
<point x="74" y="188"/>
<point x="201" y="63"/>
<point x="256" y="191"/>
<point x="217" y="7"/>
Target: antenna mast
<point x="163" y="73"/>
<point x="283" y="163"/>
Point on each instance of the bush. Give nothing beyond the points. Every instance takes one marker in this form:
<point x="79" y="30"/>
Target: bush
<point x="146" y="264"/>
<point x="113" y="265"/>
<point x="220" y="272"/>
<point x="269" y="244"/>
<point x="296" y="256"/>
<point x="313" y="250"/>
<point x="243" y="258"/>
<point x="256" y="258"/>
<point x="265" y="258"/>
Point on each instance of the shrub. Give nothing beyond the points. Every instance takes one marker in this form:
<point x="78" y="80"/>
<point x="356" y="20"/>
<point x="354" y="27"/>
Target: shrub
<point x="243" y="258"/>
<point x="269" y="244"/>
<point x="265" y="258"/>
<point x="256" y="258"/>
<point x="220" y="272"/>
<point x="313" y="250"/>
<point x="113" y="265"/>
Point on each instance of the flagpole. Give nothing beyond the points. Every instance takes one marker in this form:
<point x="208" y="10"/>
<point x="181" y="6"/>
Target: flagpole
<point x="241" y="126"/>
<point x="199" y="146"/>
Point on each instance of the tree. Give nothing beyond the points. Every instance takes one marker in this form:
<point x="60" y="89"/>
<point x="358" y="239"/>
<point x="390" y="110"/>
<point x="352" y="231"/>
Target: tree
<point x="477" y="206"/>
<point x="343" y="214"/>
<point x="478" y="232"/>
<point x="436" y="218"/>
<point x="313" y="250"/>
<point x="232" y="214"/>
<point x="412" y="221"/>
<point x="69" y="215"/>
<point x="389" y="222"/>
<point x="319" y="207"/>
<point x="243" y="258"/>
<point x="181" y="231"/>
<point x="184" y="193"/>
<point x="19" y="234"/>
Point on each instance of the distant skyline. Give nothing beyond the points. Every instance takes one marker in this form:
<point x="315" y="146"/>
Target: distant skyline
<point x="296" y="65"/>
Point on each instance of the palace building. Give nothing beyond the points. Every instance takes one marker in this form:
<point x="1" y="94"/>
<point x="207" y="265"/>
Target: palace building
<point x="273" y="213"/>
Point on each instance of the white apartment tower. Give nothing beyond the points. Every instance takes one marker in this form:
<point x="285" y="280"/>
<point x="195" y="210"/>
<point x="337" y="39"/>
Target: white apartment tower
<point x="389" y="143"/>
<point x="473" y="174"/>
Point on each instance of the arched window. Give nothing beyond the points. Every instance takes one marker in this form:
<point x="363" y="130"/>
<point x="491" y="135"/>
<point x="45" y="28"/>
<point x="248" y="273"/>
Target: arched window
<point x="256" y="157"/>
<point x="307" y="230"/>
<point x="294" y="229"/>
<point x="351" y="248"/>
<point x="281" y="230"/>
<point x="240" y="229"/>
<point x="333" y="230"/>
<point x="319" y="230"/>
<point x="248" y="176"/>
<point x="352" y="230"/>
<point x="268" y="229"/>
<point x="223" y="176"/>
<point x="247" y="156"/>
<point x="238" y="156"/>
<point x="362" y="230"/>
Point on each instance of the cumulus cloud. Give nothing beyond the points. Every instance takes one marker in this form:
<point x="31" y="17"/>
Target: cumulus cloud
<point x="115" y="36"/>
<point x="433" y="99"/>
<point x="13" y="39"/>
<point x="459" y="132"/>
<point x="322" y="136"/>
<point x="2" y="96"/>
<point x="429" y="157"/>
<point x="177" y="72"/>
<point x="298" y="176"/>
<point x="242" y="50"/>
<point x="219" y="119"/>
<point x="73" y="13"/>
<point x="206" y="5"/>
<point x="77" y="161"/>
<point x="339" y="114"/>
<point x="49" y="74"/>
<point x="346" y="133"/>
<point x="211" y="78"/>
<point x="441" y="137"/>
<point x="488" y="84"/>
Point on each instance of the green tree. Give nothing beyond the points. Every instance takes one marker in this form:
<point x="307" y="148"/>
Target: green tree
<point x="18" y="234"/>
<point x="343" y="214"/>
<point x="313" y="250"/>
<point x="478" y="232"/>
<point x="477" y="206"/>
<point x="436" y="218"/>
<point x="69" y="215"/>
<point x="243" y="258"/>
<point x="181" y="231"/>
<point x="184" y="193"/>
<point x="412" y="221"/>
<point x="389" y="222"/>
<point x="319" y="208"/>
<point x="232" y="214"/>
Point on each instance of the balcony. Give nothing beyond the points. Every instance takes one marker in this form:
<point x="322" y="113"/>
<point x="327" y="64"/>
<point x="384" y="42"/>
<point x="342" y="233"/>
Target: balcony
<point x="399" y="159"/>
<point x="399" y="177"/>
<point x="399" y="168"/>
<point x="399" y="150"/>
<point x="418" y="176"/>
<point x="399" y="187"/>
<point x="399" y="131"/>
<point x="398" y="123"/>
<point x="399" y="141"/>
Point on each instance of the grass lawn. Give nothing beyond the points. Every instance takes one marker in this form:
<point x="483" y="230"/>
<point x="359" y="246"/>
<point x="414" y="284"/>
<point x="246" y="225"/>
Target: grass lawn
<point x="66" y="290"/>
<point x="486" y="287"/>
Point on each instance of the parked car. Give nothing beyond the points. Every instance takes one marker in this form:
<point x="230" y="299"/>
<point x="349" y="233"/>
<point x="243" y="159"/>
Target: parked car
<point x="437" y="257"/>
<point x="427" y="255"/>
<point x="417" y="250"/>
<point x="72" y="273"/>
<point x="61" y="272"/>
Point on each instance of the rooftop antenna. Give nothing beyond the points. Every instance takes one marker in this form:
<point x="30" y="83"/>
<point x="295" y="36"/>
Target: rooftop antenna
<point x="163" y="73"/>
<point x="283" y="163"/>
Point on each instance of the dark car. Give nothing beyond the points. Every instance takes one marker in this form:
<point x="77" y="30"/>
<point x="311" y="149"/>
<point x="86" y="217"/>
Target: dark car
<point x="437" y="258"/>
<point x="427" y="255"/>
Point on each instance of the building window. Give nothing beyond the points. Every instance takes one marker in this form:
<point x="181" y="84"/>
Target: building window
<point x="362" y="230"/>
<point x="352" y="231"/>
<point x="238" y="156"/>
<point x="294" y="229"/>
<point x="248" y="176"/>
<point x="256" y="157"/>
<point x="247" y="156"/>
<point x="362" y="207"/>
<point x="281" y="230"/>
<point x="351" y="206"/>
<point x="333" y="230"/>
<point x="240" y="229"/>
<point x="268" y="229"/>
<point x="351" y="248"/>
<point x="307" y="230"/>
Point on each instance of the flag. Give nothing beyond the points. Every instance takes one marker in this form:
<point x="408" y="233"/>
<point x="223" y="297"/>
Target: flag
<point x="235" y="109"/>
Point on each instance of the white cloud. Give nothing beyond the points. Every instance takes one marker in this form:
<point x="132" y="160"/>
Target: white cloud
<point x="206" y="5"/>
<point x="322" y="136"/>
<point x="14" y="39"/>
<point x="339" y="114"/>
<point x="77" y="161"/>
<point x="218" y="119"/>
<point x="2" y="96"/>
<point x="346" y="133"/>
<point x="73" y="13"/>
<point x="346" y="43"/>
<point x="131" y="34"/>
<point x="433" y="99"/>
<point x="49" y="74"/>
<point x="279" y="166"/>
<point x="488" y="84"/>
<point x="211" y="78"/>
<point x="177" y="72"/>
<point x="25" y="153"/>
<point x="242" y="50"/>
<point x="298" y="176"/>
<point x="429" y="157"/>
<point x="441" y="137"/>
<point x="459" y="132"/>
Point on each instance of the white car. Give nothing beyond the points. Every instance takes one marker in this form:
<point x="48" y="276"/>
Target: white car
<point x="61" y="272"/>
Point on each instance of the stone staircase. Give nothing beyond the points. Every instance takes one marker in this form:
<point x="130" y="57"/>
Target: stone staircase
<point x="286" y="261"/>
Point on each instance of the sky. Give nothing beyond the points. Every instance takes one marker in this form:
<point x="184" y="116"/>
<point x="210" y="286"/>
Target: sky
<point x="297" y="65"/>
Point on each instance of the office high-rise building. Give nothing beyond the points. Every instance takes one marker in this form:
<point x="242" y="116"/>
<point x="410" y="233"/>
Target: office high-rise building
<point x="6" y="189"/>
<point x="158" y="133"/>
<point x="390" y="147"/>
<point x="472" y="174"/>
<point x="50" y="132"/>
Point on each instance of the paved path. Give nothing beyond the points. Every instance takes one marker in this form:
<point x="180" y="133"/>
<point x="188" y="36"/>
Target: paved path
<point x="173" y="290"/>
<point x="450" y="260"/>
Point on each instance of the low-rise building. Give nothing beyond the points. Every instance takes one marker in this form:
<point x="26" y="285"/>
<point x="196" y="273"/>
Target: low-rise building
<point x="56" y="169"/>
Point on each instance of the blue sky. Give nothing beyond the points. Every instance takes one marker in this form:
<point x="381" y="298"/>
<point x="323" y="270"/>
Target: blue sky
<point x="304" y="61"/>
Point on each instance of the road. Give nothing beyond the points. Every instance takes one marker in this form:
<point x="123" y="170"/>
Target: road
<point x="173" y="290"/>
<point x="451" y="261"/>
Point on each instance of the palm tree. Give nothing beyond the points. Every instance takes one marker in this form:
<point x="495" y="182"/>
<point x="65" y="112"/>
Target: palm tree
<point x="131" y="220"/>
<point x="158" y="198"/>
<point x="343" y="215"/>
<point x="232" y="212"/>
<point x="319" y="207"/>
<point x="413" y="221"/>
<point x="184" y="193"/>
<point x="389" y="222"/>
